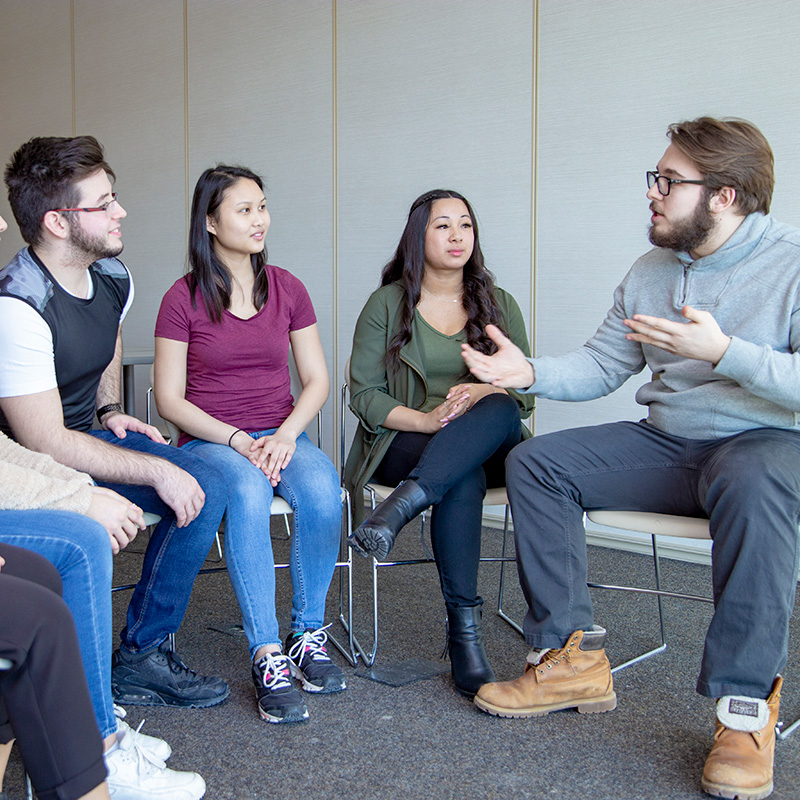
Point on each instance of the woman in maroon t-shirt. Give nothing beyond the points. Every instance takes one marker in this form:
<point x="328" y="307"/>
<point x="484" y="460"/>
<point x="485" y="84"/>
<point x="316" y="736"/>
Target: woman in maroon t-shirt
<point x="222" y="376"/>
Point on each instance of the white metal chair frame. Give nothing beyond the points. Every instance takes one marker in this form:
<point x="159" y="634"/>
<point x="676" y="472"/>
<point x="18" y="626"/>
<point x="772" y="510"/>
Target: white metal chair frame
<point x="377" y="493"/>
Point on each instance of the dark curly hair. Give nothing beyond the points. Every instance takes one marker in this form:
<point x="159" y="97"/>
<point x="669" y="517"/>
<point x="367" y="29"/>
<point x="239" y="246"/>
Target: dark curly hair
<point x="408" y="266"/>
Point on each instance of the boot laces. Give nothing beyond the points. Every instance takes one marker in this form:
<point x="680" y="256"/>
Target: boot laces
<point x="553" y="657"/>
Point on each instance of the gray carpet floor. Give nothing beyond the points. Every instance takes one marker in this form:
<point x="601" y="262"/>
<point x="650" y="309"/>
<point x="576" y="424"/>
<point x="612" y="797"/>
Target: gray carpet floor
<point x="422" y="740"/>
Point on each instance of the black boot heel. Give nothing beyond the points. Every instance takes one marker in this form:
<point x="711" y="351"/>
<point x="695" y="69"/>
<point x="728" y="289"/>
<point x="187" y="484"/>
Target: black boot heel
<point x="375" y="536"/>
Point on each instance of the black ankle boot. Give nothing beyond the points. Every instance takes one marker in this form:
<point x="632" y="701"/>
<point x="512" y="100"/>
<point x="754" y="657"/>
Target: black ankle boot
<point x="376" y="534"/>
<point x="468" y="661"/>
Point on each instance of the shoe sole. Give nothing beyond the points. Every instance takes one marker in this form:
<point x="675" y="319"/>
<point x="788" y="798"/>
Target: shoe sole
<point x="139" y="696"/>
<point x="368" y="543"/>
<point x="293" y="715"/>
<point x="595" y="705"/>
<point x="336" y="683"/>
<point x="736" y="793"/>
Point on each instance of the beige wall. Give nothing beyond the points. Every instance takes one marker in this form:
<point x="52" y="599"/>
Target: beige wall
<point x="349" y="109"/>
<point x="545" y="114"/>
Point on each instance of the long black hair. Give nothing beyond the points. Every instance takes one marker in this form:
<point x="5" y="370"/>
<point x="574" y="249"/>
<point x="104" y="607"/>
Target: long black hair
<point x="408" y="265"/>
<point x="206" y="272"/>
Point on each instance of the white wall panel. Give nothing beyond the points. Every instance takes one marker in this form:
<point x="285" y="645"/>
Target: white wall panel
<point x="129" y="94"/>
<point x="432" y="95"/>
<point x="35" y="85"/>
<point x="261" y="94"/>
<point x="613" y="76"/>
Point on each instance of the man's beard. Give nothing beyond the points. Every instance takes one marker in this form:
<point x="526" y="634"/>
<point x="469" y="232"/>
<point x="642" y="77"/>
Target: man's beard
<point x="687" y="234"/>
<point x="92" y="247"/>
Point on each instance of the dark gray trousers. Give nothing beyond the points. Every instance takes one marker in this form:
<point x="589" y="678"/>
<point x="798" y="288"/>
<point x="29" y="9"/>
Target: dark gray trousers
<point x="748" y="485"/>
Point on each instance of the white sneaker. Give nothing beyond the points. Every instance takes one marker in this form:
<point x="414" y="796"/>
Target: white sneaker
<point x="136" y="774"/>
<point x="158" y="747"/>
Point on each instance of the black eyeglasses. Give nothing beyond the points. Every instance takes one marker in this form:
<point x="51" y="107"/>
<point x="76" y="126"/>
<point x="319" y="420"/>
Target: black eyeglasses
<point x="665" y="183"/>
<point x="106" y="207"/>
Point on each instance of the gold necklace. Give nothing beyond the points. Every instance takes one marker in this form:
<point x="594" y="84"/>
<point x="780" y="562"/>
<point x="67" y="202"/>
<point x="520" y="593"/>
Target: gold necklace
<point x="442" y="299"/>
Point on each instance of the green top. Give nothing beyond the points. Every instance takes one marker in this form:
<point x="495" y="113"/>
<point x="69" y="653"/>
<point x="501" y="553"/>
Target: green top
<point x="444" y="366"/>
<point x="374" y="391"/>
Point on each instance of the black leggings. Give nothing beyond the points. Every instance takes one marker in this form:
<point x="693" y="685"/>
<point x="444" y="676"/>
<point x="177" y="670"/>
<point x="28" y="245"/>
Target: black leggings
<point x="43" y="696"/>
<point x="454" y="467"/>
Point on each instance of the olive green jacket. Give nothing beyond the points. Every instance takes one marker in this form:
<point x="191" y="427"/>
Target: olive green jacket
<point x="374" y="392"/>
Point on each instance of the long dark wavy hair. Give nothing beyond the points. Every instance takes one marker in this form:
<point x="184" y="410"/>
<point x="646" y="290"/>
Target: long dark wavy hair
<point x="206" y="272"/>
<point x="408" y="265"/>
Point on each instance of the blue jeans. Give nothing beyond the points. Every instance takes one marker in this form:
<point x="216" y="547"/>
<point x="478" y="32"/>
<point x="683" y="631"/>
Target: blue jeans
<point x="80" y="550"/>
<point x="747" y="485"/>
<point x="174" y="555"/>
<point x="310" y="485"/>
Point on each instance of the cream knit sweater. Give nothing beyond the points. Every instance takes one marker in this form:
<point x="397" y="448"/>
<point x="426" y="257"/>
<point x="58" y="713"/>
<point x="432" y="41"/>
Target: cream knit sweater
<point x="31" y="480"/>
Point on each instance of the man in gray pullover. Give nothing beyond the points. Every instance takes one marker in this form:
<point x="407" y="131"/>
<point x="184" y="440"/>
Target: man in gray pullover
<point x="713" y="311"/>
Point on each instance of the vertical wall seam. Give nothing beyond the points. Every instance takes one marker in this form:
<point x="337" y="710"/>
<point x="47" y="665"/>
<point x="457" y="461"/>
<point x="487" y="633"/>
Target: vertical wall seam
<point x="186" y="116"/>
<point x="72" y="64"/>
<point x="534" y="183"/>
<point x="335" y="219"/>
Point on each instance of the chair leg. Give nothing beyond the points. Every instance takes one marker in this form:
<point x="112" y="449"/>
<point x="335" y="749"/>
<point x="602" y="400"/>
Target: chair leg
<point x="785" y="734"/>
<point x="503" y="561"/>
<point x="369" y="657"/>
<point x="663" y="645"/>
<point x="345" y="562"/>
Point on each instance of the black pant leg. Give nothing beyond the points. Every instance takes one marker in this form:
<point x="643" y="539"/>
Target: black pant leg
<point x="451" y="466"/>
<point x="45" y="691"/>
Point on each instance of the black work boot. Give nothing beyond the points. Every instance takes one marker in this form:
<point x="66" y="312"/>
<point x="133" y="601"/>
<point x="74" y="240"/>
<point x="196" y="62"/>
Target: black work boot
<point x="376" y="534"/>
<point x="468" y="661"/>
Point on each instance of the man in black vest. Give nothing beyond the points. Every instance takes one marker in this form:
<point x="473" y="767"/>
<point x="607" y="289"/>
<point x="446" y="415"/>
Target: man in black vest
<point x="62" y="303"/>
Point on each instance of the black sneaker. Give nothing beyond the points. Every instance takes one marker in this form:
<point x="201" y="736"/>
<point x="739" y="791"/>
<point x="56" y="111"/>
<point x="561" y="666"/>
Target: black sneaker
<point x="311" y="664"/>
<point x="159" y="678"/>
<point x="278" y="700"/>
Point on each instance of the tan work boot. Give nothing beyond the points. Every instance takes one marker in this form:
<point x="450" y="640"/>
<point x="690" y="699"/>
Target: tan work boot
<point x="740" y="762"/>
<point x="576" y="676"/>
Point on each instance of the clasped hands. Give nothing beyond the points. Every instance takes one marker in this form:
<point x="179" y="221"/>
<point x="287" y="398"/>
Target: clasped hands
<point x="460" y="399"/>
<point x="700" y="338"/>
<point x="270" y="454"/>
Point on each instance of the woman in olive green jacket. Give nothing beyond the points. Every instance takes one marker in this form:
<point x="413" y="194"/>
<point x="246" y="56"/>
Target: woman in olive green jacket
<point x="425" y="423"/>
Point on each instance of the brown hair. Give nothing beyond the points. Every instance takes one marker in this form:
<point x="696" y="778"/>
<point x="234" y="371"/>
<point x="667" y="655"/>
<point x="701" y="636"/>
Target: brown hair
<point x="43" y="174"/>
<point x="729" y="152"/>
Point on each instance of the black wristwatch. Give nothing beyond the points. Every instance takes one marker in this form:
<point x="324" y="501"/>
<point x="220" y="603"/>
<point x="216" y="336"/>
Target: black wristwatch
<point x="103" y="410"/>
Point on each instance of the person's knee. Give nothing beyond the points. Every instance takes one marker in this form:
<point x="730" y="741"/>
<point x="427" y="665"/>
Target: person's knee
<point x="502" y="410"/>
<point x="30" y="566"/>
<point x="525" y="458"/>
<point x="89" y="544"/>
<point x="762" y="474"/>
